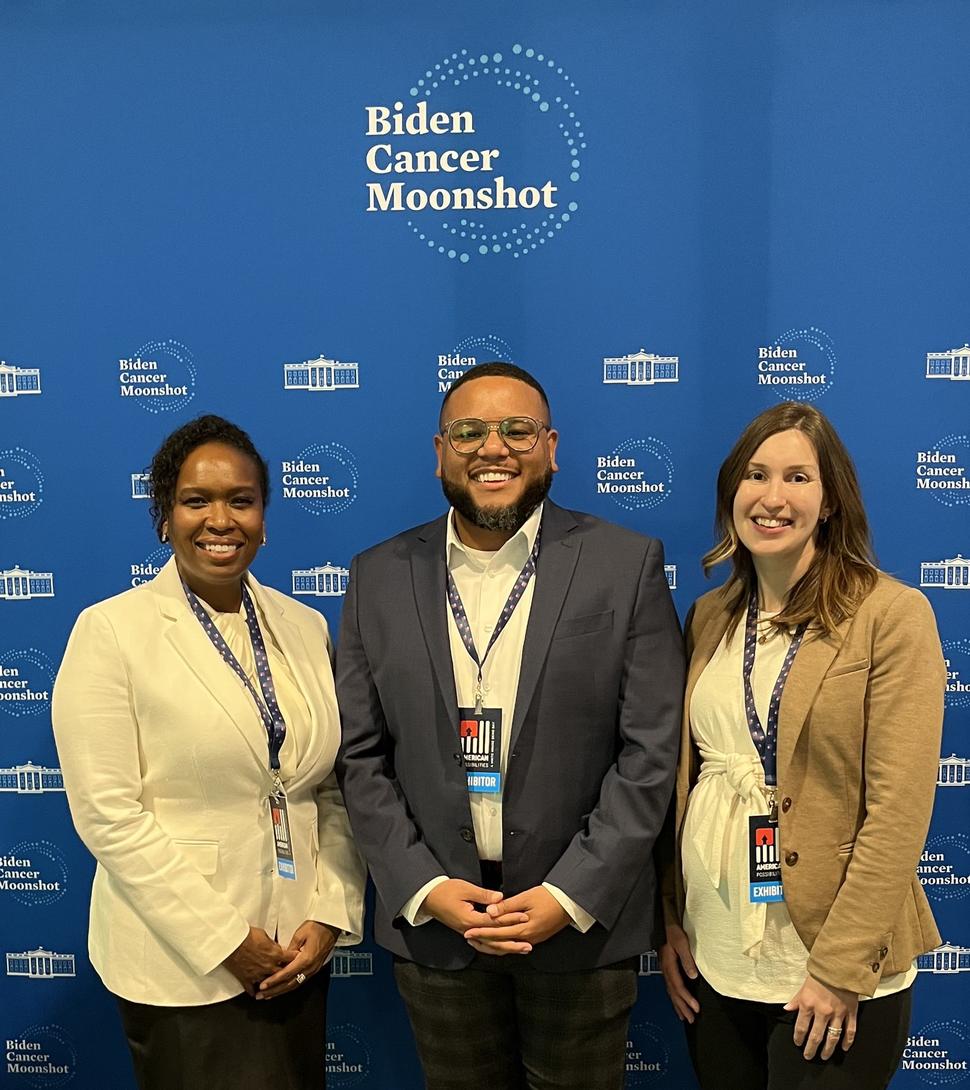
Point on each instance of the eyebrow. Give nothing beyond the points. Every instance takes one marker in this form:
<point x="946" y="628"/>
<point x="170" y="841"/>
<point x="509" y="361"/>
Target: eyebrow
<point x="788" y="469"/>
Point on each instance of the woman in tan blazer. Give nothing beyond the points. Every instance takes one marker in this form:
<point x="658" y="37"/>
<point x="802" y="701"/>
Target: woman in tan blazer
<point x="215" y="905"/>
<point x="810" y="745"/>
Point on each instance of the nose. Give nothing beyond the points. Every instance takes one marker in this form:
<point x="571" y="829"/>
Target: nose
<point x="774" y="496"/>
<point x="219" y="518"/>
<point x="493" y="445"/>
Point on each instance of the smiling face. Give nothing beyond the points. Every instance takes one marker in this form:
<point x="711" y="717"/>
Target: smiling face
<point x="494" y="489"/>
<point x="778" y="505"/>
<point x="216" y="522"/>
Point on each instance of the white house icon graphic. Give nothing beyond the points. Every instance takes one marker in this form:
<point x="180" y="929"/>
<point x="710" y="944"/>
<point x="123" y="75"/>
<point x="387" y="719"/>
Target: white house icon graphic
<point x="953" y="365"/>
<point x="641" y="368"/>
<point x="326" y="581"/>
<point x="17" y="584"/>
<point x="321" y="375"/>
<point x="951" y="574"/>
<point x="15" y="381"/>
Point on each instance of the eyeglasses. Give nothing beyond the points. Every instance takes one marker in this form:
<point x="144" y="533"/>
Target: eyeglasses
<point x="518" y="433"/>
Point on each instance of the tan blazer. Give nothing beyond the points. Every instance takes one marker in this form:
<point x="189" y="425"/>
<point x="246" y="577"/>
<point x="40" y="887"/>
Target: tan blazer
<point x="858" y="750"/>
<point x="166" y="770"/>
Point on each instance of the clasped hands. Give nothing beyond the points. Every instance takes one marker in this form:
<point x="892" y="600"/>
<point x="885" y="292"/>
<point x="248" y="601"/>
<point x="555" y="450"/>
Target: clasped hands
<point x="266" y="970"/>
<point x="509" y="925"/>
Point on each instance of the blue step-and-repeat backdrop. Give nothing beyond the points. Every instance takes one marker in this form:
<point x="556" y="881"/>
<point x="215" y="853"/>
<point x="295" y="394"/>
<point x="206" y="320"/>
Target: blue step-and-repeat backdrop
<point x="311" y="217"/>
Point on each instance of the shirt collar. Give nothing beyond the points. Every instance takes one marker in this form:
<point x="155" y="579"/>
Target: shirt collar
<point x="515" y="551"/>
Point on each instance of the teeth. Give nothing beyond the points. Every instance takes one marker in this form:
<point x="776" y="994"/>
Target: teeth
<point x="219" y="548"/>
<point x="772" y="523"/>
<point x="491" y="477"/>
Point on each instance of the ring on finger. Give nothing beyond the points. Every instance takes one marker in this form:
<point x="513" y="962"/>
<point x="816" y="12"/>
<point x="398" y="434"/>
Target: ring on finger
<point x="300" y="978"/>
<point x="833" y="1031"/>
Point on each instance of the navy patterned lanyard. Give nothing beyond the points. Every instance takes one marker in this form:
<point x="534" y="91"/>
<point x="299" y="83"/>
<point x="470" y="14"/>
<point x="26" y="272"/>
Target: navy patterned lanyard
<point x="464" y="628"/>
<point x="269" y="709"/>
<point x="765" y="741"/>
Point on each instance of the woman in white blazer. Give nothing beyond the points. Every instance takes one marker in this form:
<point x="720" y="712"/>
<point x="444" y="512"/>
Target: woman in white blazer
<point x="196" y="723"/>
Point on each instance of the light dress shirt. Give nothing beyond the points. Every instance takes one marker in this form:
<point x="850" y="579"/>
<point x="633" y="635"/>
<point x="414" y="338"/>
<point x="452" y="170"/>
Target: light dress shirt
<point x="484" y="581"/>
<point x="744" y="950"/>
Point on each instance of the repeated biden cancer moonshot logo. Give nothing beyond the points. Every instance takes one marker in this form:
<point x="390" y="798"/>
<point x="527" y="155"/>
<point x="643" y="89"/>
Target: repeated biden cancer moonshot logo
<point x="797" y="366"/>
<point x="482" y="156"/>
<point x="40" y="1056"/>
<point x="26" y="681"/>
<point x="21" y="483"/>
<point x="638" y="474"/>
<point x="939" y="1053"/>
<point x="160" y="376"/>
<point x="956" y="654"/>
<point x="942" y="470"/>
<point x="467" y="353"/>
<point x="322" y="478"/>
<point x="34" y="872"/>
<point x="348" y="1058"/>
<point x="944" y="867"/>
<point x="647" y="1056"/>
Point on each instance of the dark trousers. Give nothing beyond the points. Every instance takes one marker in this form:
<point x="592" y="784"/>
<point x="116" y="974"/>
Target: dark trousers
<point x="238" y="1044"/>
<point x="737" y="1044"/>
<point x="502" y="1025"/>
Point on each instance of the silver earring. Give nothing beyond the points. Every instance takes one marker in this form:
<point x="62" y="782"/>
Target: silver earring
<point x="164" y="536"/>
<point x="824" y="519"/>
<point x="263" y="542"/>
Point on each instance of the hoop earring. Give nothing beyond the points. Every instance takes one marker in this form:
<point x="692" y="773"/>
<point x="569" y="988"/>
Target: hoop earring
<point x="824" y="519"/>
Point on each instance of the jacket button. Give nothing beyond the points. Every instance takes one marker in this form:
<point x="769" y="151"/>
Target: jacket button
<point x="791" y="858"/>
<point x="785" y="805"/>
<point x="457" y="757"/>
<point x="513" y="832"/>
<point x="884" y="951"/>
<point x="874" y="966"/>
<point x="466" y="834"/>
<point x="514" y="753"/>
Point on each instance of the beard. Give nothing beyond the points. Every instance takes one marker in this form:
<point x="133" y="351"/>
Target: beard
<point x="505" y="518"/>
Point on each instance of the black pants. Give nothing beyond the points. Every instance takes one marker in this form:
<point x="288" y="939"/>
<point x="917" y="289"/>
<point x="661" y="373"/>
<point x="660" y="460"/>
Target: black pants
<point x="737" y="1044"/>
<point x="238" y="1044"/>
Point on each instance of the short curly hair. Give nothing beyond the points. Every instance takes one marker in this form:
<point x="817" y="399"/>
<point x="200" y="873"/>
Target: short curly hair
<point x="164" y="471"/>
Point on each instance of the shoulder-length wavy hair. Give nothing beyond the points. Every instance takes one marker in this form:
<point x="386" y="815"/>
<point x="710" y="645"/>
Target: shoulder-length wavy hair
<point x="843" y="570"/>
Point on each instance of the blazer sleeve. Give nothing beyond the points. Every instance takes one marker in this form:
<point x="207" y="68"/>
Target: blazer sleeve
<point x="603" y="862"/>
<point x="400" y="862"/>
<point x="904" y="720"/>
<point x="97" y="743"/>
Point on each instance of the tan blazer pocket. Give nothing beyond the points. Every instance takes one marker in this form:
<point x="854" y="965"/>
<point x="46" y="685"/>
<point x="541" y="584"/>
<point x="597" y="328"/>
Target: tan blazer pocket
<point x="847" y="668"/>
<point x="202" y="854"/>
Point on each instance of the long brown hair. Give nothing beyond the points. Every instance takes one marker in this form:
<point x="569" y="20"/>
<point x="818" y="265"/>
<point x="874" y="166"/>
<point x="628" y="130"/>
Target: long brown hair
<point x="843" y="570"/>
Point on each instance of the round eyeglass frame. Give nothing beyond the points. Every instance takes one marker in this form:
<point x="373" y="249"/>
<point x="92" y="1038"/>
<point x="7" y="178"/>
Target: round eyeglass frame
<point x="495" y="426"/>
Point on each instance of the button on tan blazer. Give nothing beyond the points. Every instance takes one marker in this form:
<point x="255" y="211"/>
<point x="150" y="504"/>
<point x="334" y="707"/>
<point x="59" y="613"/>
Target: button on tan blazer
<point x="858" y="751"/>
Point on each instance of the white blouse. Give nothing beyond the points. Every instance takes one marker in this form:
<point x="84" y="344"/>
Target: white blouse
<point x="744" y="950"/>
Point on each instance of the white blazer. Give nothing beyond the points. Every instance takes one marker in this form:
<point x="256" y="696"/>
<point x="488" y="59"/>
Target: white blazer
<point x="166" y="768"/>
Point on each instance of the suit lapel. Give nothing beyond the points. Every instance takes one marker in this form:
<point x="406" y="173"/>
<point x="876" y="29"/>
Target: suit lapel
<point x="429" y="577"/>
<point x="189" y="641"/>
<point x="809" y="668"/>
<point x="558" y="556"/>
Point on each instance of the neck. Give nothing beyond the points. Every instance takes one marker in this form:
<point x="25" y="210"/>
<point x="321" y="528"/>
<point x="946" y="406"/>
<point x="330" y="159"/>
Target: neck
<point x="775" y="580"/>
<point x="224" y="598"/>
<point x="476" y="537"/>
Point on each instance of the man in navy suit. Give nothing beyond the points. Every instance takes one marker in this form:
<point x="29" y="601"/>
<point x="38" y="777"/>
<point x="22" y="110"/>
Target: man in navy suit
<point x="510" y="679"/>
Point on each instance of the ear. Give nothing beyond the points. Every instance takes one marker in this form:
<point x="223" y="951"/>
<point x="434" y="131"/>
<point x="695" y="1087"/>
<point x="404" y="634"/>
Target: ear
<point x="552" y="442"/>
<point x="439" y="450"/>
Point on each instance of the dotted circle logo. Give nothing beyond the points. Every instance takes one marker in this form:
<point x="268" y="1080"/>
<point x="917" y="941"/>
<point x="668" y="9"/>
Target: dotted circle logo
<point x="21" y="483"/>
<point x="485" y="348"/>
<point x="168" y="385"/>
<point x="647" y="1057"/>
<point x="801" y="367"/>
<point x="946" y="878"/>
<point x="952" y="486"/>
<point x="42" y="880"/>
<point x="950" y="1037"/>
<point x="49" y="1061"/>
<point x="348" y="1058"/>
<point x="638" y="475"/>
<point x="326" y="483"/>
<point x="545" y="85"/>
<point x="28" y="678"/>
<point x="957" y="655"/>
